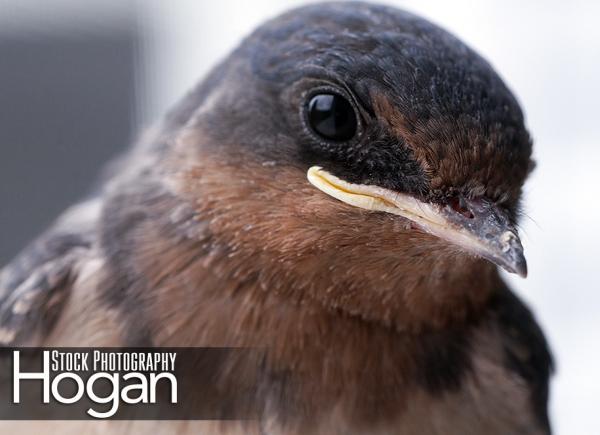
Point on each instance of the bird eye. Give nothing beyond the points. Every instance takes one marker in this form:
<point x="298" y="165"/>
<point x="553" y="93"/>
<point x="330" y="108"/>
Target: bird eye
<point x="332" y="117"/>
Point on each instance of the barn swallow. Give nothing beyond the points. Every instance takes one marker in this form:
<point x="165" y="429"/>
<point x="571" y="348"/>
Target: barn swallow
<point x="340" y="192"/>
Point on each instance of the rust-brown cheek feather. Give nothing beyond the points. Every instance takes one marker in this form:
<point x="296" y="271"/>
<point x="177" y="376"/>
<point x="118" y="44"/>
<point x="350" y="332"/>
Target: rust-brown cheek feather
<point x="339" y="192"/>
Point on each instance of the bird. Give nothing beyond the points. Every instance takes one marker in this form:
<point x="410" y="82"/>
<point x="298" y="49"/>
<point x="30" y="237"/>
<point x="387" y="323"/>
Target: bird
<point x="340" y="191"/>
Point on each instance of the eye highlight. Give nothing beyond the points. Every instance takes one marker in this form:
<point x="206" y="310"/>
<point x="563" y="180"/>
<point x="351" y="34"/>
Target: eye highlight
<point x="332" y="117"/>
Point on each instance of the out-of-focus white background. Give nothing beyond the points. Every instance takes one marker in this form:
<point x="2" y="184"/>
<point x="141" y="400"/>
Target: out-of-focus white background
<point x="549" y="54"/>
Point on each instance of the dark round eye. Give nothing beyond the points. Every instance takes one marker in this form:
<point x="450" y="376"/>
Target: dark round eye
<point x="332" y="116"/>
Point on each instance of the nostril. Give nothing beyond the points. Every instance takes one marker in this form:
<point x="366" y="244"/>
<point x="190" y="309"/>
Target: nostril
<point x="459" y="205"/>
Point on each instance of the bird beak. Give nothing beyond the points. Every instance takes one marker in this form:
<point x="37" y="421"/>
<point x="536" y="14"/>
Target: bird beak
<point x="476" y="226"/>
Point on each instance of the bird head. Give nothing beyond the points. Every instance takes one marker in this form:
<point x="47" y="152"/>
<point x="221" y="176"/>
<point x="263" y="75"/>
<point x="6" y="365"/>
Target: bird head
<point x="355" y="140"/>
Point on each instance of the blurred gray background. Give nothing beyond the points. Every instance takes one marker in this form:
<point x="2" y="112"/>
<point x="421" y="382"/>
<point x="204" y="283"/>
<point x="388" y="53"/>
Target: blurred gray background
<point x="80" y="79"/>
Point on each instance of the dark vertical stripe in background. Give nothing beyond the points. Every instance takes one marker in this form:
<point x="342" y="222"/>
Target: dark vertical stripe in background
<point x="66" y="107"/>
